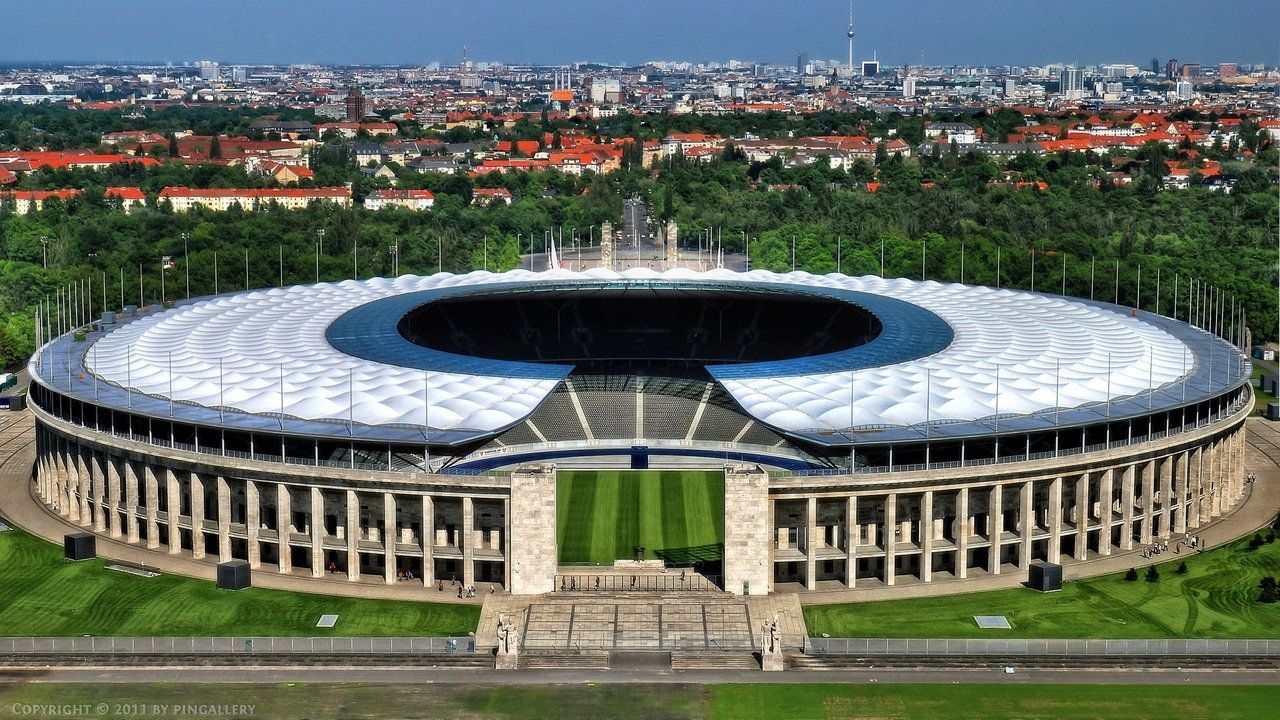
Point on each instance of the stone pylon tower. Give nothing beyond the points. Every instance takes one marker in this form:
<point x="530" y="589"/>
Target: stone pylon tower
<point x="672" y="245"/>
<point x="606" y="246"/>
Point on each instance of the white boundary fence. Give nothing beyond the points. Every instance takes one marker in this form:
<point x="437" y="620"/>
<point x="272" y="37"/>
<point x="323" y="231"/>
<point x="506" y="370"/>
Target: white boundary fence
<point x="234" y="645"/>
<point x="920" y="646"/>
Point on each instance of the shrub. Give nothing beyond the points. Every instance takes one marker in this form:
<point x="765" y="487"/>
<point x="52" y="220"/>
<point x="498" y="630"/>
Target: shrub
<point x="1153" y="575"/>
<point x="1256" y="541"/>
<point x="1269" y="595"/>
<point x="1131" y="575"/>
<point x="1182" y="568"/>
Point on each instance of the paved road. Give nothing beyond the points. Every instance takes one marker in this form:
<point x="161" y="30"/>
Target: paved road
<point x="421" y="676"/>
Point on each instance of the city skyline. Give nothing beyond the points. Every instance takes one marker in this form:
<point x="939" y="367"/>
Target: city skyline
<point x="553" y="32"/>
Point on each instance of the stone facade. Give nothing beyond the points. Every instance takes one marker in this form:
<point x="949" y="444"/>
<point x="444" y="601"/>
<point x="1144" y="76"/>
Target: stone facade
<point x="533" y="522"/>
<point x="746" y="530"/>
<point x="783" y="531"/>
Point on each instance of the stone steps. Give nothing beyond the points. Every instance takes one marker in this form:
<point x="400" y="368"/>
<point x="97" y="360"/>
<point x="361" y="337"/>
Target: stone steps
<point x="695" y="660"/>
<point x="564" y="660"/>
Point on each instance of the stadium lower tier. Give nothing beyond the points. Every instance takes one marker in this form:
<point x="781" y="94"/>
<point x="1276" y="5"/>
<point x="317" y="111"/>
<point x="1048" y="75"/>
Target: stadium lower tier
<point x="781" y="530"/>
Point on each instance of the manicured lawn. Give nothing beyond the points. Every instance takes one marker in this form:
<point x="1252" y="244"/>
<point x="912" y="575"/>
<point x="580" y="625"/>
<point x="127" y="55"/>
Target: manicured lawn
<point x="43" y="594"/>
<point x="1261" y="399"/>
<point x="1215" y="599"/>
<point x="991" y="702"/>
<point x="295" y="701"/>
<point x="603" y="515"/>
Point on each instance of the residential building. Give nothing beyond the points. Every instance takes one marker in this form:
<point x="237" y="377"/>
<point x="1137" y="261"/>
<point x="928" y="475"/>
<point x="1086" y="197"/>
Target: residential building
<point x="221" y="199"/>
<point x="410" y="199"/>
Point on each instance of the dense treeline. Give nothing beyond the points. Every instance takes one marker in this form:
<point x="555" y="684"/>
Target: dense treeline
<point x="944" y="204"/>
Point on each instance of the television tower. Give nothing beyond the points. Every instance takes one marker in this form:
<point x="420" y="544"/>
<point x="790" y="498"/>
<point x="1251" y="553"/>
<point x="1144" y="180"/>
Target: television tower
<point x="850" y="35"/>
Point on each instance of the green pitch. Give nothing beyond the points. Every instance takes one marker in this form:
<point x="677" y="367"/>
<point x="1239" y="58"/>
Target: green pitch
<point x="602" y="515"/>
<point x="1216" y="598"/>
<point x="43" y="594"/>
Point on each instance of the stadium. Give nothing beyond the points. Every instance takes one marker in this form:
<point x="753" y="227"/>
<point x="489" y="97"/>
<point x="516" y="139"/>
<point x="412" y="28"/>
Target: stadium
<point x="833" y="432"/>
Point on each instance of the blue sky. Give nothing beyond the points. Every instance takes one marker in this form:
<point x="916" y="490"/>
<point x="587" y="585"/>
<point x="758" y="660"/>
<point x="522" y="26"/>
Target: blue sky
<point x="560" y="31"/>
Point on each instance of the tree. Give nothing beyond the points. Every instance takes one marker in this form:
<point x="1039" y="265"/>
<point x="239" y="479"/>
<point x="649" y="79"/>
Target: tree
<point x="1182" y="568"/>
<point x="1131" y="575"/>
<point x="215" y="148"/>
<point x="1153" y="575"/>
<point x="1270" y="593"/>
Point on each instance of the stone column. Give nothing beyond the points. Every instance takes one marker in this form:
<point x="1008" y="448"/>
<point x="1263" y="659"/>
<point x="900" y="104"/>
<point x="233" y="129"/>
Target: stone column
<point x="1166" y="497"/>
<point x="112" y="466"/>
<point x="99" y="475"/>
<point x="64" y="465"/>
<point x="1240" y="469"/>
<point x="1195" y="486"/>
<point x="1028" y="523"/>
<point x="224" y="518"/>
<point x="1220" y="463"/>
<point x="173" y="491"/>
<point x="1182" y="491"/>
<point x="197" y="516"/>
<point x="429" y="541"/>
<point x="1106" y="506"/>
<point x="772" y="525"/>
<point x="926" y="536"/>
<point x="890" y="537"/>
<point x="130" y="499"/>
<point x="252" y="523"/>
<point x="389" y="536"/>
<point x="1128" y="482"/>
<point x="811" y="544"/>
<point x="533" y="529"/>
<point x="995" y="526"/>
<point x="1148" y="501"/>
<point x="151" y="490"/>
<point x="353" y="535"/>
<point x="284" y="527"/>
<point x="506" y="544"/>
<point x="964" y="528"/>
<point x="851" y="537"/>
<point x="1055" y="521"/>
<point x="317" y="533"/>
<point x="89" y="483"/>
<point x="468" y="542"/>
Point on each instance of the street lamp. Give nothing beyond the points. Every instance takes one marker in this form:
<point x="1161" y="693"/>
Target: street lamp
<point x="44" y="249"/>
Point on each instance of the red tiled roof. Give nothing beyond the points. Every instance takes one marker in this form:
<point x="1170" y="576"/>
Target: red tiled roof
<point x="327" y="192"/>
<point x="125" y="193"/>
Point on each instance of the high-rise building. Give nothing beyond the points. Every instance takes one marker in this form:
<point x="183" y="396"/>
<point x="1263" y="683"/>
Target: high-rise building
<point x="909" y="86"/>
<point x="1010" y="86"/>
<point x="238" y="74"/>
<point x="1228" y="70"/>
<point x="355" y="105"/>
<point x="1171" y="69"/>
<point x="606" y="90"/>
<point x="1191" y="70"/>
<point x="208" y="69"/>
<point x="870" y="67"/>
<point x="802" y="63"/>
<point x="1071" y="83"/>
<point x="1185" y="90"/>
<point x="1155" y="66"/>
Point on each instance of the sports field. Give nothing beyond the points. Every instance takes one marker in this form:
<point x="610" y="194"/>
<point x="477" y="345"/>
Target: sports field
<point x="43" y="594"/>
<point x="602" y="515"/>
<point x="1216" y="598"/>
<point x="667" y="701"/>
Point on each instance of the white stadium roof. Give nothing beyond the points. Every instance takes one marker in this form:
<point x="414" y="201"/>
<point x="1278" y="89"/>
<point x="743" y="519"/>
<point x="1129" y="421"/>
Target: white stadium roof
<point x="233" y="350"/>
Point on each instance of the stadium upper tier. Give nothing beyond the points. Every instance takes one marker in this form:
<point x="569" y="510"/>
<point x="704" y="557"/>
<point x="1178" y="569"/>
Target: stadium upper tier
<point x="405" y="357"/>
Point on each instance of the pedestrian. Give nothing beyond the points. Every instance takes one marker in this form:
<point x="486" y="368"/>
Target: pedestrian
<point x="439" y="586"/>
<point x="459" y="592"/>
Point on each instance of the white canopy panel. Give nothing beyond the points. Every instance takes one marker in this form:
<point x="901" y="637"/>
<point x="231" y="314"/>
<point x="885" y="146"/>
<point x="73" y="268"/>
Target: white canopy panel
<point x="265" y="351"/>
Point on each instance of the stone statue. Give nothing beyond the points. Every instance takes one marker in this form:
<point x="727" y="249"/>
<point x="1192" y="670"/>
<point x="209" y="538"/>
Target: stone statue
<point x="771" y="645"/>
<point x="506" y="657"/>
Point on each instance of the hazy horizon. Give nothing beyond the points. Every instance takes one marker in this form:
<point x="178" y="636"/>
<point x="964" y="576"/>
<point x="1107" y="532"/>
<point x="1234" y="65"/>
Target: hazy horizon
<point x="557" y="32"/>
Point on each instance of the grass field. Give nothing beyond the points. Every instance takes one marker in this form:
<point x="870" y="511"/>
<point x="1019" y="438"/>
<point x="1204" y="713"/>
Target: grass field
<point x="1215" y="599"/>
<point x="43" y="594"/>
<point x="602" y="515"/>
<point x="671" y="701"/>
<point x="1260" y="399"/>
